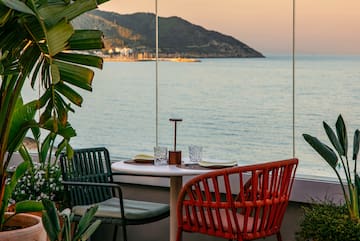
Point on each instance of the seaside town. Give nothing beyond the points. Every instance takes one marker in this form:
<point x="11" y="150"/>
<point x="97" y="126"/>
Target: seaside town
<point x="125" y="54"/>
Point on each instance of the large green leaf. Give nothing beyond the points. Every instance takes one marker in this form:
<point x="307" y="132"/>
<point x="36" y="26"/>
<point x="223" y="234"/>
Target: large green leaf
<point x="76" y="75"/>
<point x="333" y="139"/>
<point x="51" y="220"/>
<point x="357" y="185"/>
<point x="326" y="152"/>
<point x="24" y="153"/>
<point x="28" y="206"/>
<point x="341" y="133"/>
<point x="58" y="36"/>
<point x="18" y="6"/>
<point x="61" y="109"/>
<point x="83" y="59"/>
<point x="86" y="40"/>
<point x="85" y="222"/>
<point x="56" y="12"/>
<point x="66" y="131"/>
<point x="356" y="144"/>
<point x="19" y="172"/>
<point x="45" y="146"/>
<point x="90" y="230"/>
<point x="55" y="74"/>
<point x="69" y="93"/>
<point x="5" y="14"/>
<point x="23" y="119"/>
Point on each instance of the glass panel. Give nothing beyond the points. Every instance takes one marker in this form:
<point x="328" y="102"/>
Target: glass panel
<point x="236" y="108"/>
<point x="327" y="74"/>
<point x="120" y="112"/>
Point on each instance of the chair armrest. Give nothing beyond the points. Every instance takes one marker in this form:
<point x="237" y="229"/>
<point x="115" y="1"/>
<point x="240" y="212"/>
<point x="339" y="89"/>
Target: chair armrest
<point x="99" y="184"/>
<point x="113" y="186"/>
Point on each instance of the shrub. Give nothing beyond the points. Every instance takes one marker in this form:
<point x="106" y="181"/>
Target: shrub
<point x="328" y="221"/>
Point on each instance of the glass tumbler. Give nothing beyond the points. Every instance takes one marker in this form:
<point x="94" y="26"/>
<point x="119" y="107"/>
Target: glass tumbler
<point x="160" y="155"/>
<point x="195" y="153"/>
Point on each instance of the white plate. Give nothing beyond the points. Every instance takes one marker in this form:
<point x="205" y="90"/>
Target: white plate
<point x="217" y="163"/>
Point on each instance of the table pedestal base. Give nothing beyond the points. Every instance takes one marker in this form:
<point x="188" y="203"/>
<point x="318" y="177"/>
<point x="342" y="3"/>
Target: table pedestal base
<point x="175" y="188"/>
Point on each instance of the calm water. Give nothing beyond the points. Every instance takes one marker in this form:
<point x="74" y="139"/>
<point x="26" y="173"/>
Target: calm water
<point x="235" y="108"/>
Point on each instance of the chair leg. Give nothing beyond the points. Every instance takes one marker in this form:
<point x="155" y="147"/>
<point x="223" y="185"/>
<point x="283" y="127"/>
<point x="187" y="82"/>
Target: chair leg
<point x="115" y="232"/>
<point x="278" y="236"/>
<point x="124" y="233"/>
<point x="179" y="235"/>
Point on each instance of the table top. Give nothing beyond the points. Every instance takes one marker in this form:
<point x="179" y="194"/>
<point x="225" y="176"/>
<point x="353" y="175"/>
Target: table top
<point x="159" y="171"/>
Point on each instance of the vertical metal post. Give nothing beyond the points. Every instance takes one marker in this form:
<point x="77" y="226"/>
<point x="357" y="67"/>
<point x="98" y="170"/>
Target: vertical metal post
<point x="293" y="73"/>
<point x="157" y="73"/>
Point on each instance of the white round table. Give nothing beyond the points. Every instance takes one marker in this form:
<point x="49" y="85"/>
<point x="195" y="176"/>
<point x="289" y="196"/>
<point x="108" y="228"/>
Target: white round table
<point x="173" y="171"/>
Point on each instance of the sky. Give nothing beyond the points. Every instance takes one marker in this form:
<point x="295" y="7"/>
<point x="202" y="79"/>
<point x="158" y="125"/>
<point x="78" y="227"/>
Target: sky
<point x="321" y="26"/>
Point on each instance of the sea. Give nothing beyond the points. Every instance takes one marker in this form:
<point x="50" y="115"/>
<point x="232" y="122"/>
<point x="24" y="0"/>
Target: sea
<point x="235" y="108"/>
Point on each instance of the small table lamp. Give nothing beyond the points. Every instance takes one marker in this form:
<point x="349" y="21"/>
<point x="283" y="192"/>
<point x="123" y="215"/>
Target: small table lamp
<point x="175" y="156"/>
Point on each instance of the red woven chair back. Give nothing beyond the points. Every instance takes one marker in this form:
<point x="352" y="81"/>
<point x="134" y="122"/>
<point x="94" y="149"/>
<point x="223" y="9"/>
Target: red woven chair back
<point x="238" y="203"/>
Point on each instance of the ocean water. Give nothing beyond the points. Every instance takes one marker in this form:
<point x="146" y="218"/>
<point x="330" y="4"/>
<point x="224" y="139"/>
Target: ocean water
<point x="238" y="109"/>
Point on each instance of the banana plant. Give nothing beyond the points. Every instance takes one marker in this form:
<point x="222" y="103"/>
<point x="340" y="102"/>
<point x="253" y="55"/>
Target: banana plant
<point x="62" y="231"/>
<point x="40" y="47"/>
<point x="350" y="184"/>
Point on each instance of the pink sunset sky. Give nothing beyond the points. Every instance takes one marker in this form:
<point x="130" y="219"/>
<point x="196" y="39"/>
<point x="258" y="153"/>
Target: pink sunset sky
<point x="322" y="26"/>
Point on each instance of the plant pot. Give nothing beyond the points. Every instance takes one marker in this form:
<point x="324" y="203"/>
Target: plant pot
<point x="31" y="228"/>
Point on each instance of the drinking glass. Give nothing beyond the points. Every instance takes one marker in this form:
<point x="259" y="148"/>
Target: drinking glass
<point x="195" y="153"/>
<point x="160" y="155"/>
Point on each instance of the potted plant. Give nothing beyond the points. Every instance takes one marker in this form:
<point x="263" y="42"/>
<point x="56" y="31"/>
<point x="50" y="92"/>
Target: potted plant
<point x="43" y="178"/>
<point x="337" y="158"/>
<point x="37" y="45"/>
<point x="59" y="225"/>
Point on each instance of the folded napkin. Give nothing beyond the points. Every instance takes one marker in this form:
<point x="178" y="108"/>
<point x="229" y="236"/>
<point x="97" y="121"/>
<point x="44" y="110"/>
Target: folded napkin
<point x="211" y="163"/>
<point x="144" y="157"/>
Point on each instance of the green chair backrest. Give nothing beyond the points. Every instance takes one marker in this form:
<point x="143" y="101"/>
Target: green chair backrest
<point x="87" y="165"/>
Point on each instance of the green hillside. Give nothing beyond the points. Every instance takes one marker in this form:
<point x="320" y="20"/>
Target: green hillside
<point x="177" y="37"/>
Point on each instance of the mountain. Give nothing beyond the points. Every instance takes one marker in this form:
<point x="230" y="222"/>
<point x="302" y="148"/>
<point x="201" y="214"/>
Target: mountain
<point x="177" y="37"/>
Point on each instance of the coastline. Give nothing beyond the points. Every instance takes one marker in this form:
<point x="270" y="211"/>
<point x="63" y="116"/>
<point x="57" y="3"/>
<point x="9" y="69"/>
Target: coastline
<point x="126" y="59"/>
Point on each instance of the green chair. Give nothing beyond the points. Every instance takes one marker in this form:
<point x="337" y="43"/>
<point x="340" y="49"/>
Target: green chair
<point x="88" y="180"/>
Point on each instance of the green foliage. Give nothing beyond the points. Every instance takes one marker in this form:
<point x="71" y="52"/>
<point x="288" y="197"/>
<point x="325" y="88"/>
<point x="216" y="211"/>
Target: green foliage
<point x="62" y="231"/>
<point x="327" y="221"/>
<point x="43" y="178"/>
<point x="340" y="144"/>
<point x="37" y="44"/>
<point x="38" y="182"/>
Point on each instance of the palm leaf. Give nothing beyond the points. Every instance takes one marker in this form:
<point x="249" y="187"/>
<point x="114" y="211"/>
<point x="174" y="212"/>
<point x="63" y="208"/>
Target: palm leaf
<point x="325" y="151"/>
<point x="86" y="40"/>
<point x="55" y="74"/>
<point x="23" y="119"/>
<point x="18" y="6"/>
<point x="76" y="75"/>
<point x="57" y="37"/>
<point x="45" y="146"/>
<point x="341" y="133"/>
<point x="356" y="145"/>
<point x="333" y="139"/>
<point x="69" y="93"/>
<point x="56" y="12"/>
<point x="357" y="185"/>
<point x="66" y="131"/>
<point x="83" y="59"/>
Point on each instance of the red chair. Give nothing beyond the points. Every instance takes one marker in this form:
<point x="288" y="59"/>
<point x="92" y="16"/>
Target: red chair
<point x="238" y="203"/>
